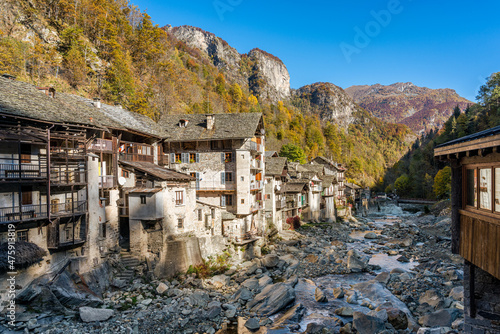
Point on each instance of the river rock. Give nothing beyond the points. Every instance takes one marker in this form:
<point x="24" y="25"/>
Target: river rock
<point x="403" y="258"/>
<point x="272" y="299"/>
<point x="432" y="298"/>
<point x="90" y="314"/>
<point x="293" y="315"/>
<point x="252" y="324"/>
<point x="397" y="318"/>
<point x="319" y="295"/>
<point x="347" y="329"/>
<point x="345" y="311"/>
<point x="366" y="324"/>
<point x="200" y="298"/>
<point x="162" y="287"/>
<point x="457" y="293"/>
<point x="338" y="292"/>
<point x="371" y="235"/>
<point x="251" y="283"/>
<point x="270" y="260"/>
<point x="383" y="278"/>
<point x="243" y="293"/>
<point x="219" y="281"/>
<point x="441" y="318"/>
<point x="356" y="262"/>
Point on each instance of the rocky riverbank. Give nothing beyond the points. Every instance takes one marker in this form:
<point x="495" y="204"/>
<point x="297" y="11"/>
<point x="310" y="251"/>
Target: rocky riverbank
<point x="389" y="273"/>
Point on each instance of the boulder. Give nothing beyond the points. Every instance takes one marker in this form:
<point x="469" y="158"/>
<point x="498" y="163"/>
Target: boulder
<point x="383" y="278"/>
<point x="345" y="311"/>
<point x="457" y="293"/>
<point x="270" y="260"/>
<point x="397" y="318"/>
<point x="338" y="292"/>
<point x="441" y="318"/>
<point x="366" y="324"/>
<point x="162" y="287"/>
<point x="251" y="284"/>
<point x="371" y="235"/>
<point x="90" y="314"/>
<point x="199" y="298"/>
<point x="243" y="294"/>
<point x="432" y="298"/>
<point x="356" y="262"/>
<point x="319" y="295"/>
<point x="252" y="324"/>
<point x="272" y="299"/>
<point x="219" y="281"/>
<point x="293" y="315"/>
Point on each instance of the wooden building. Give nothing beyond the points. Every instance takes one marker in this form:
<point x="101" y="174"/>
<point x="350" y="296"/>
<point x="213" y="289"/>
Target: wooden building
<point x="475" y="188"/>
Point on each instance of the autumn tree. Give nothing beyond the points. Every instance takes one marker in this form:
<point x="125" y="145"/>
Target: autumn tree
<point x="293" y="153"/>
<point x="442" y="183"/>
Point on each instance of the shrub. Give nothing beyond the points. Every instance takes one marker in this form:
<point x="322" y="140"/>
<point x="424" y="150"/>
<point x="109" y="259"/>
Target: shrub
<point x="294" y="222"/>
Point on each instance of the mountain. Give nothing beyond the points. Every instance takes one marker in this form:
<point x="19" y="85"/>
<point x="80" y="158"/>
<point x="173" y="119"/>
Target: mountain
<point x="329" y="101"/>
<point x="263" y="73"/>
<point x="111" y="50"/>
<point x="420" y="108"/>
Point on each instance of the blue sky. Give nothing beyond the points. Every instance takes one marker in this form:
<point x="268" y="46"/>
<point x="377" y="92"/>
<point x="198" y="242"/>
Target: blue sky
<point x="435" y="44"/>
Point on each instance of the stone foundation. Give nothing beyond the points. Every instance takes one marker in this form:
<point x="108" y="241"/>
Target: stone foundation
<point x="482" y="312"/>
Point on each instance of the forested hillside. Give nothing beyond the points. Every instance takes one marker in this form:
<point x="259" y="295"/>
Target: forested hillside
<point x="112" y="50"/>
<point x="416" y="174"/>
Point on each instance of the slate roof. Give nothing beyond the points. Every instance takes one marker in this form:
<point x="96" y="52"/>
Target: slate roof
<point x="158" y="172"/>
<point x="352" y="185"/>
<point x="328" y="180"/>
<point x="126" y="119"/>
<point x="325" y="161"/>
<point x="477" y="135"/>
<point x="275" y="165"/>
<point x="314" y="168"/>
<point x="273" y="154"/>
<point x="21" y="99"/>
<point x="226" y="126"/>
<point x="295" y="187"/>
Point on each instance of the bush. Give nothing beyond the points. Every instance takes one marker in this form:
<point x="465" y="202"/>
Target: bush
<point x="294" y="222"/>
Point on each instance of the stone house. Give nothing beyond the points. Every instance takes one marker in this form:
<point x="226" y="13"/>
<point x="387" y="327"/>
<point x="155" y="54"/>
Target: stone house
<point x="225" y="153"/>
<point x="337" y="170"/>
<point x="296" y="193"/>
<point x="328" y="197"/>
<point x="475" y="213"/>
<point x="275" y="201"/>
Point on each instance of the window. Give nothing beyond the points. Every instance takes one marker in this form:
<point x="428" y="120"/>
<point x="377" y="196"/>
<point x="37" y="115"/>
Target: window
<point x="497" y="189"/>
<point x="242" y="178"/>
<point x="178" y="158"/>
<point x="242" y="201"/>
<point x="125" y="173"/>
<point x="180" y="223"/>
<point x="215" y="144"/>
<point x="229" y="177"/>
<point x="179" y="197"/>
<point x="22" y="235"/>
<point x="228" y="157"/>
<point x="200" y="215"/>
<point x="25" y="153"/>
<point x="102" y="230"/>
<point x="485" y="186"/>
<point x="27" y="196"/>
<point x="212" y="211"/>
<point x="192" y="157"/>
<point x="143" y="199"/>
<point x="225" y="200"/>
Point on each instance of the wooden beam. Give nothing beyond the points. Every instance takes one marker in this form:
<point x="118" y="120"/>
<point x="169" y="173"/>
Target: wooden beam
<point x="480" y="143"/>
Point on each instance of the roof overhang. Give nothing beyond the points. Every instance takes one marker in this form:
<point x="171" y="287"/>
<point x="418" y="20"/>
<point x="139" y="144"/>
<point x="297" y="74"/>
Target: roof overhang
<point x="455" y="151"/>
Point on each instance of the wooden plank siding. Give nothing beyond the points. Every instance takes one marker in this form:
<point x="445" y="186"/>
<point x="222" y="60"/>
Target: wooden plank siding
<point x="480" y="242"/>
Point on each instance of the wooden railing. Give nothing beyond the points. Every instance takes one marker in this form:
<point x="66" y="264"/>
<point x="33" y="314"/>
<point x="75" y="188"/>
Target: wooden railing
<point x="101" y="145"/>
<point x="22" y="171"/>
<point x="39" y="211"/>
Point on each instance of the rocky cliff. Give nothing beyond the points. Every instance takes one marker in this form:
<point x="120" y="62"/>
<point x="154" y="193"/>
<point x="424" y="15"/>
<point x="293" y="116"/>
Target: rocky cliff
<point x="273" y="82"/>
<point x="421" y="108"/>
<point x="330" y="101"/>
<point x="265" y="75"/>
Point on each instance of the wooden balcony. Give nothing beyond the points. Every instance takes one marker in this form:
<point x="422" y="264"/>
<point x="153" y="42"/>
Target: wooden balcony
<point x="67" y="234"/>
<point x="25" y="213"/>
<point x="101" y="145"/>
<point x="23" y="171"/>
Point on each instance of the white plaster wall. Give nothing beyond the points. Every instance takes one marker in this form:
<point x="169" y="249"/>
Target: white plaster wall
<point x="243" y="182"/>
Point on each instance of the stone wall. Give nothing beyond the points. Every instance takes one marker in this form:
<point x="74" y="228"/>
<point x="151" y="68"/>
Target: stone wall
<point x="486" y="319"/>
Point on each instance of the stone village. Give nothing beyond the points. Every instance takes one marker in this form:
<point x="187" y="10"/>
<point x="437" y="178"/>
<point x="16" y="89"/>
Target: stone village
<point x="82" y="181"/>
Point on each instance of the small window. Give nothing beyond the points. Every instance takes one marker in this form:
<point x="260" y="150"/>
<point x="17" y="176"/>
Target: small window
<point x="192" y="158"/>
<point x="497" y="189"/>
<point x="229" y="200"/>
<point x="212" y="211"/>
<point x="242" y="201"/>
<point x="27" y="195"/>
<point x="179" y="197"/>
<point x="229" y="177"/>
<point x="102" y="230"/>
<point x="125" y="173"/>
<point x="485" y="190"/>
<point x="471" y="187"/>
<point x="22" y="235"/>
<point x="178" y="158"/>
<point x="143" y="199"/>
<point x="200" y="215"/>
<point x="228" y="157"/>
<point x="242" y="178"/>
<point x="180" y="223"/>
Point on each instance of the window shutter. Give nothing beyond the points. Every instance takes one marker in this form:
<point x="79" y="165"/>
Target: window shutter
<point x="223" y="177"/>
<point x="222" y="157"/>
<point x="172" y="158"/>
<point x="223" y="200"/>
<point x="233" y="157"/>
<point x="197" y="157"/>
<point x="183" y="158"/>
<point x="198" y="181"/>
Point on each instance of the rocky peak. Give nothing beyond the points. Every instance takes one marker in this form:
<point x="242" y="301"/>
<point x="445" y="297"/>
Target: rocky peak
<point x="331" y="101"/>
<point x="222" y="54"/>
<point x="274" y="73"/>
<point x="421" y="108"/>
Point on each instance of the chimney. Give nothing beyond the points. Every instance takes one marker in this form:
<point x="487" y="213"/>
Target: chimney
<point x="210" y="121"/>
<point x="97" y="102"/>
<point x="49" y="91"/>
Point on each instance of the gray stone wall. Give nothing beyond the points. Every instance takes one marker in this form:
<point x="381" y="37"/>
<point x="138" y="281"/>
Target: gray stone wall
<point x="486" y="319"/>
